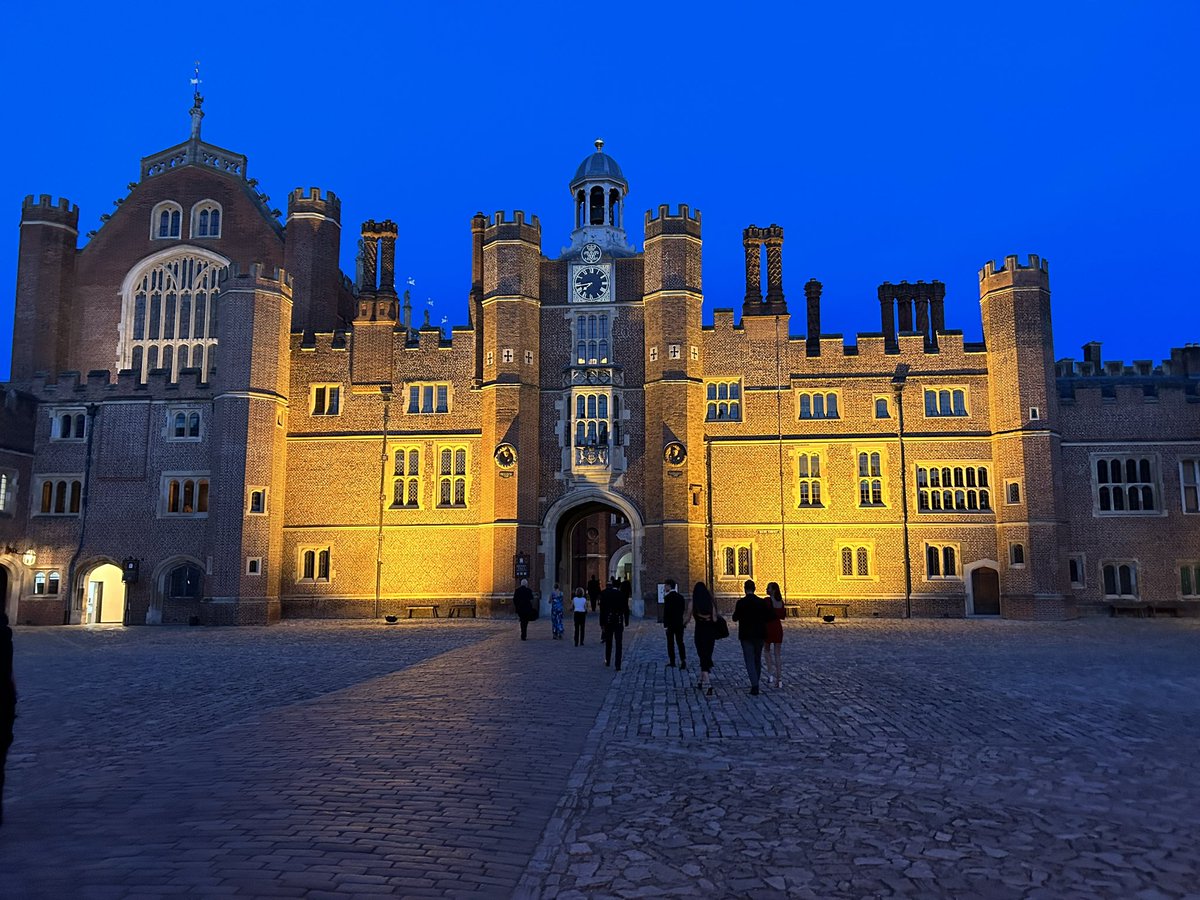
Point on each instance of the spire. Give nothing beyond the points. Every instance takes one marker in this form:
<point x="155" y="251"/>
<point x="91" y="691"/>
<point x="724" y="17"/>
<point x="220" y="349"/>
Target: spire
<point x="197" y="101"/>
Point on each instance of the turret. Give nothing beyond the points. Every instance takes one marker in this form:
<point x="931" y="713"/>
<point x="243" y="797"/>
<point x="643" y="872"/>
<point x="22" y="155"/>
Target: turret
<point x="250" y="413"/>
<point x="311" y="251"/>
<point x="45" y="287"/>
<point x="1023" y="408"/>
<point x="673" y="397"/>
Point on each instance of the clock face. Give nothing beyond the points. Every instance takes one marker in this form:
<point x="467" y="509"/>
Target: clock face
<point x="591" y="282"/>
<point x="590" y="253"/>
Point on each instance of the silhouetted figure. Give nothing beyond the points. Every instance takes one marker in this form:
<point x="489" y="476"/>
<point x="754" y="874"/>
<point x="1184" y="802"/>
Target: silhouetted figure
<point x="704" y="611"/>
<point x="523" y="604"/>
<point x="8" y="700"/>
<point x="614" y="616"/>
<point x="593" y="588"/>
<point x="751" y="615"/>
<point x="674" y="607"/>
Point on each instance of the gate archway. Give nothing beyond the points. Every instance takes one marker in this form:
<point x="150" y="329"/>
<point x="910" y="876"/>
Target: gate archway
<point x="571" y="554"/>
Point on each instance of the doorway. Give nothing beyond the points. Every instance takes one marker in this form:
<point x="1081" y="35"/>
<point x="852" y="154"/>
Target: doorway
<point x="985" y="592"/>
<point x="103" y="596"/>
<point x="6" y="582"/>
<point x="589" y="533"/>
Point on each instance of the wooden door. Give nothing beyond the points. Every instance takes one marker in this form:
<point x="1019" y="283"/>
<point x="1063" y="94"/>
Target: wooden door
<point x="985" y="591"/>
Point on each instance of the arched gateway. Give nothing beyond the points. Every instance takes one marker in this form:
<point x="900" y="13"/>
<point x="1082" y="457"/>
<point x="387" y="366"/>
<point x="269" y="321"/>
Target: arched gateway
<point x="581" y="535"/>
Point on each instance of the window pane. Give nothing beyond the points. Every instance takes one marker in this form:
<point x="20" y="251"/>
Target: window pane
<point x="862" y="561"/>
<point x="932" y="561"/>
<point x="949" y="563"/>
<point x="847" y="561"/>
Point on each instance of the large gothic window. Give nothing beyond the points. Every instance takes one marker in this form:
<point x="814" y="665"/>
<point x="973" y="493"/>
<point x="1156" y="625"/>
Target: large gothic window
<point x="170" y="314"/>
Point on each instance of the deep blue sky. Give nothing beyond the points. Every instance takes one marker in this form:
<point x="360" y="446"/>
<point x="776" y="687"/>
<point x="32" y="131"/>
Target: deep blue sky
<point x="891" y="141"/>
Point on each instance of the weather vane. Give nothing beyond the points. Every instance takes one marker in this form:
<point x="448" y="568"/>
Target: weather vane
<point x="196" y="79"/>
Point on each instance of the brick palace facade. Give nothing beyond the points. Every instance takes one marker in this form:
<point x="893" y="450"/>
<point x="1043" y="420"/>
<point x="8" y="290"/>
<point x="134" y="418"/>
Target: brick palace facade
<point x="208" y="421"/>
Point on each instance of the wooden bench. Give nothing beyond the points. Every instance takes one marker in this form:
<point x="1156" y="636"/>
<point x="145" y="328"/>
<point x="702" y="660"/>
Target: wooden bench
<point x="456" y="611"/>
<point x="1141" y="610"/>
<point x="431" y="608"/>
<point x="843" y="609"/>
<point x="791" y="612"/>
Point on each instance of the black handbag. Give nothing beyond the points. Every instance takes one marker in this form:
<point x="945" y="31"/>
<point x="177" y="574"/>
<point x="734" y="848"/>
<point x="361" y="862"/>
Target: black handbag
<point x="720" y="627"/>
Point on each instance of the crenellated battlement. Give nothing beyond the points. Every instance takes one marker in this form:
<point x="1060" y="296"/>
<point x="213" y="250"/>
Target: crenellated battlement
<point x="683" y="222"/>
<point x="1183" y="363"/>
<point x="71" y="387"/>
<point x="500" y="228"/>
<point x="235" y="277"/>
<point x="312" y="201"/>
<point x="1036" y="272"/>
<point x="45" y="209"/>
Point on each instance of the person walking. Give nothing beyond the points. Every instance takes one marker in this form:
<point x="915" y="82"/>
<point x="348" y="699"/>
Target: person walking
<point x="674" y="609"/>
<point x="556" y="613"/>
<point x="614" y="616"/>
<point x="580" y="604"/>
<point x="593" y="591"/>
<point x="704" y="612"/>
<point x="773" y="646"/>
<point x="523" y="604"/>
<point x="8" y="700"/>
<point x="751" y="615"/>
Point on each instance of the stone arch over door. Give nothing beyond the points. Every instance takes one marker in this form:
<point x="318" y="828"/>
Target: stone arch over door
<point x="10" y="589"/>
<point x="571" y="505"/>
<point x="79" y="590"/>
<point x="988" y="577"/>
<point x="161" y="585"/>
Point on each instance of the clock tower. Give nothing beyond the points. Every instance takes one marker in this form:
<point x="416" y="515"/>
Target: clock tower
<point x="598" y="190"/>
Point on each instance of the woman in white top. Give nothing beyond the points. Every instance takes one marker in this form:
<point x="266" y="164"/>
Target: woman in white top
<point x="579" y="603"/>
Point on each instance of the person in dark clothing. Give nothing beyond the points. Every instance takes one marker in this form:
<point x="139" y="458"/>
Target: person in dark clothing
<point x="674" y="609"/>
<point x="8" y="700"/>
<point x="614" y="616"/>
<point x="751" y="614"/>
<point x="593" y="590"/>
<point x="523" y="604"/>
<point x="704" y="612"/>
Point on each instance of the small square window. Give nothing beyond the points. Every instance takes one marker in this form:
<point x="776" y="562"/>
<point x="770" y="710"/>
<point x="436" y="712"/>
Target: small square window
<point x="68" y="425"/>
<point x="1034" y="413"/>
<point x="254" y="565"/>
<point x="326" y="400"/>
<point x="1012" y="492"/>
<point x="1016" y="556"/>
<point x="257" y="503"/>
<point x="882" y="410"/>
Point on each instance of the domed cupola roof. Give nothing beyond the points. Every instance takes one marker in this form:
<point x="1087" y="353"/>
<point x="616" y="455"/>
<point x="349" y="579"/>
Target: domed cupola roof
<point x="599" y="166"/>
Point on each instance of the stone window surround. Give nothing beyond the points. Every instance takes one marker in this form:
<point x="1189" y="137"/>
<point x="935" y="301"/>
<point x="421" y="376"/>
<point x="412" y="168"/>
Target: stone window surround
<point x="406" y="477"/>
<point x="77" y="426"/>
<point x="251" y="490"/>
<point x="856" y="549"/>
<point x="254" y="565"/>
<point x="737" y="546"/>
<point x="171" y="431"/>
<point x="803" y="463"/>
<point x="1117" y="565"/>
<point x="453" y="477"/>
<point x="815" y="397"/>
<point x="950" y="390"/>
<point x="871" y="478"/>
<point x="1155" y="482"/>
<point x="325" y="404"/>
<point x="200" y="481"/>
<point x="58" y="479"/>
<point x="9" y="479"/>
<point x="322" y="564"/>
<point x="433" y="392"/>
<point x="209" y="206"/>
<point x="175" y="226"/>
<point x="1080" y="560"/>
<point x="1189" y="490"/>
<point x="942" y="547"/>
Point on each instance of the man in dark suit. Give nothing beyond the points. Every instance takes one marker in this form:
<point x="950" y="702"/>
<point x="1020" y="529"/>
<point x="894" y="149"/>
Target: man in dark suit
<point x="674" y="608"/>
<point x="751" y="615"/>
<point x="593" y="592"/>
<point x="523" y="604"/>
<point x="614" y="616"/>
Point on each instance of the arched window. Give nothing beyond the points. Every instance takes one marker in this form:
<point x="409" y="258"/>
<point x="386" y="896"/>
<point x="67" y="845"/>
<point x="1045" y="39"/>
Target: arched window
<point x="39" y="583"/>
<point x="169" y="304"/>
<point x="52" y="583"/>
<point x="206" y="219"/>
<point x="597" y="206"/>
<point x="165" y="220"/>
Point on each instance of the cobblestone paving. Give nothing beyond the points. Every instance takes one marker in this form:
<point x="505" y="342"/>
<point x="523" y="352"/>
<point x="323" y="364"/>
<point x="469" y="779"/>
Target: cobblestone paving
<point x="302" y="760"/>
<point x="923" y="759"/>
<point x="926" y="759"/>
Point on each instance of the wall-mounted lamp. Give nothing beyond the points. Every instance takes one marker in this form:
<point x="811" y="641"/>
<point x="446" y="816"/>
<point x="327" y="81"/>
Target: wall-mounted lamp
<point x="29" y="557"/>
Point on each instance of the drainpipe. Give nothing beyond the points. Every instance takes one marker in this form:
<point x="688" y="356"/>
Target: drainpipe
<point x="708" y="514"/>
<point x="898" y="381"/>
<point x="779" y="431"/>
<point x="385" y="391"/>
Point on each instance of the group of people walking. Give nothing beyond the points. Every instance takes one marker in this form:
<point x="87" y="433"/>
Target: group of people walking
<point x="759" y="621"/>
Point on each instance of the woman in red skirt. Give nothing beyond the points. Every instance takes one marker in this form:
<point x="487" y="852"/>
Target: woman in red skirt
<point x="774" y="642"/>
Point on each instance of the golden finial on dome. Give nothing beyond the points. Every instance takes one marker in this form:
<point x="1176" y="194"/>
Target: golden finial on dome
<point x="599" y="144"/>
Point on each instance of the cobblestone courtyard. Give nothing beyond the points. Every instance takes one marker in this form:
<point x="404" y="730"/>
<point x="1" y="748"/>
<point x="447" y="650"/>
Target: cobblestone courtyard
<point x="925" y="759"/>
